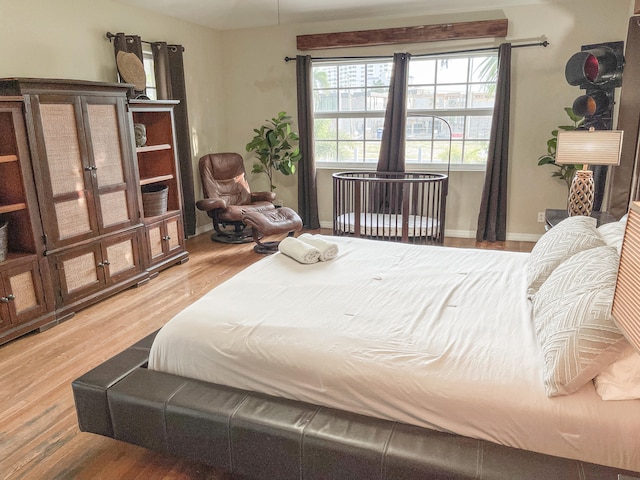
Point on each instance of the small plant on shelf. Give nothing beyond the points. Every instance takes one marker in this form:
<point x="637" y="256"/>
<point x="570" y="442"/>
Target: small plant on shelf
<point x="275" y="146"/>
<point x="564" y="172"/>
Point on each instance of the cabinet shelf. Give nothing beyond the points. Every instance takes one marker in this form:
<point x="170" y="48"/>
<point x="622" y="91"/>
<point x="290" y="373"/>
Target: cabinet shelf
<point x="159" y="178"/>
<point x="8" y="158"/>
<point x="153" y="148"/>
<point x="14" y="207"/>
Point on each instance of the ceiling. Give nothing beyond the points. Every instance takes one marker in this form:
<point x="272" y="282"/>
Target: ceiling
<point x="234" y="14"/>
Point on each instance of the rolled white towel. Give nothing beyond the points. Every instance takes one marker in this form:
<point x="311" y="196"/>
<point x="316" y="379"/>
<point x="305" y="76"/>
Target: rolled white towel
<point x="299" y="251"/>
<point x="328" y="250"/>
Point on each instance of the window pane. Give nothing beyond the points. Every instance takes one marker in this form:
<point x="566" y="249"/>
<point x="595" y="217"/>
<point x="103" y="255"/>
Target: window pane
<point x="351" y="75"/>
<point x="325" y="129"/>
<point x="379" y="74"/>
<point x="420" y="128"/>
<point x="478" y="127"/>
<point x="351" y="152"/>
<point x="352" y="100"/>
<point x="422" y="71"/>
<point x="421" y="98"/>
<point x="325" y="76"/>
<point x="484" y="69"/>
<point x="377" y="99"/>
<point x="351" y="129"/>
<point x="374" y="128"/>
<point x="476" y="152"/>
<point x="451" y="96"/>
<point x="482" y="95"/>
<point x="441" y="152"/>
<point x="325" y="100"/>
<point x="326" y="151"/>
<point x="452" y="70"/>
<point x="418" y="152"/>
<point x="372" y="151"/>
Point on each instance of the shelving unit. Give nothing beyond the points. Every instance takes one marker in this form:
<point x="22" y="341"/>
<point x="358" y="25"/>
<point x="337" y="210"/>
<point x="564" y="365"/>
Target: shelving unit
<point x="26" y="296"/>
<point x="157" y="164"/>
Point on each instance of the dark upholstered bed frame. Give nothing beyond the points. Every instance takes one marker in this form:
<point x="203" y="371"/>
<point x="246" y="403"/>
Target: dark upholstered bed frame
<point x="266" y="438"/>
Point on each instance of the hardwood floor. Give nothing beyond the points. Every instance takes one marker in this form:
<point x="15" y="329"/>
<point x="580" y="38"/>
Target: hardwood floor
<point x="39" y="436"/>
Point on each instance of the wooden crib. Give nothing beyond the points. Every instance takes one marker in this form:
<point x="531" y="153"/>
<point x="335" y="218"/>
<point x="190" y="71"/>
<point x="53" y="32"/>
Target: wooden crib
<point x="407" y="207"/>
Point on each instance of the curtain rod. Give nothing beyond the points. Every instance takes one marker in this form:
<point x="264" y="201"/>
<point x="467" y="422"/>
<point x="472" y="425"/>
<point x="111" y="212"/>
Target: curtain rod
<point x="536" y="44"/>
<point x="111" y="36"/>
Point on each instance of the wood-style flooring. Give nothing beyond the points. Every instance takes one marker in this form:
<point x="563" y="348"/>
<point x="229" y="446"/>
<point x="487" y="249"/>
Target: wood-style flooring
<point x="39" y="436"/>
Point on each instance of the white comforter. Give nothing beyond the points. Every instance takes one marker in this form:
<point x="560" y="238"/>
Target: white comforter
<point x="432" y="336"/>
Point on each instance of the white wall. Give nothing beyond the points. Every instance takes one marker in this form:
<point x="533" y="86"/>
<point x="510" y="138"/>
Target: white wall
<point x="259" y="84"/>
<point x="236" y="79"/>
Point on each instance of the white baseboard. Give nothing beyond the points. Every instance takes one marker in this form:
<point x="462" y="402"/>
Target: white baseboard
<point x="515" y="237"/>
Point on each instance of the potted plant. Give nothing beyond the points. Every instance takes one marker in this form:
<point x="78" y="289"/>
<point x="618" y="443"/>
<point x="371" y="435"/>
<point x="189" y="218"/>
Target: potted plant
<point x="564" y="172"/>
<point x="275" y="146"/>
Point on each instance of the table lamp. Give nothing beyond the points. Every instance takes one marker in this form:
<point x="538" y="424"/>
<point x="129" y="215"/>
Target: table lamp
<point x="588" y="147"/>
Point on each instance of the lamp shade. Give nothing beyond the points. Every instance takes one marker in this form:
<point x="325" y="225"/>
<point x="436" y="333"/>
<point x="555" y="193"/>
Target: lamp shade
<point x="626" y="300"/>
<point x="594" y="147"/>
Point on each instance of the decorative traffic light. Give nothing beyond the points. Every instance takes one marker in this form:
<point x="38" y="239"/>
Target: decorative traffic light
<point x="598" y="70"/>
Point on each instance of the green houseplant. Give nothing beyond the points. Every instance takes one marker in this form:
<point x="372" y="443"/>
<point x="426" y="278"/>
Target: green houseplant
<point x="564" y="172"/>
<point x="275" y="146"/>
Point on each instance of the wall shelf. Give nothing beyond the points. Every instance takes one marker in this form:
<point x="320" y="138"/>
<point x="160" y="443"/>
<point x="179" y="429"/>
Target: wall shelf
<point x="153" y="148"/>
<point x="8" y="158"/>
<point x="159" y="178"/>
<point x="14" y="207"/>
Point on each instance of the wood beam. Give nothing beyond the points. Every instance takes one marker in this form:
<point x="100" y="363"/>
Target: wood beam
<point x="391" y="36"/>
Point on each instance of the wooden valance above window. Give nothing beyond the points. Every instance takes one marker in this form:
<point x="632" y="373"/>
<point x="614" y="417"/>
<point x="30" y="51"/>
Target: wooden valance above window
<point x="390" y="36"/>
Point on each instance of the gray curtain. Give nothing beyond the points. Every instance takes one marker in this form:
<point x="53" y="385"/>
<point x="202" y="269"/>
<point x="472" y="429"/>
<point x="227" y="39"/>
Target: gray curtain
<point x="307" y="185"/>
<point x="129" y="44"/>
<point x="387" y="197"/>
<point x="170" y="84"/>
<point x="492" y="220"/>
<point x="392" y="146"/>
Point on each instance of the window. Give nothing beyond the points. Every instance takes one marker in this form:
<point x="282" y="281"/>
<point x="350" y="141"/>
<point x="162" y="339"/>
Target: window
<point x="350" y="99"/>
<point x="147" y="60"/>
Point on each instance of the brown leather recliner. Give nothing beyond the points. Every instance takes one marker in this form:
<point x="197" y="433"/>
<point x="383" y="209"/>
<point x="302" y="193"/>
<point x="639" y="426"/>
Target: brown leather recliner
<point x="228" y="196"/>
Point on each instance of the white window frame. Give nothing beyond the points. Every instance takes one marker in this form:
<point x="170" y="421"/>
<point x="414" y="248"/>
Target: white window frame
<point x="443" y="113"/>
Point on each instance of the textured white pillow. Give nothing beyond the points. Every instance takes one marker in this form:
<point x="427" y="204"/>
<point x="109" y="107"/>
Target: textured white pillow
<point x="613" y="233"/>
<point x="621" y="379"/>
<point x="572" y="316"/>
<point x="570" y="236"/>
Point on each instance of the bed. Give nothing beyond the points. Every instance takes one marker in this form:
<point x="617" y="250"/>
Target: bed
<point x="392" y="361"/>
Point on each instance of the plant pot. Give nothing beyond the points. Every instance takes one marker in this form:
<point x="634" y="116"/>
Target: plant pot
<point x="4" y="240"/>
<point x="154" y="199"/>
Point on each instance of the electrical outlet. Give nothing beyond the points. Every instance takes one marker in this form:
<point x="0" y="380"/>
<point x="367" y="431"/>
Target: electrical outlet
<point x="541" y="217"/>
<point x="278" y="202"/>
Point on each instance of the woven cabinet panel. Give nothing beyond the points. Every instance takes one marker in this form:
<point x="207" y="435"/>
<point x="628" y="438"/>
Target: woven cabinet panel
<point x="24" y="290"/>
<point x="120" y="257"/>
<point x="155" y="242"/>
<point x="72" y="217"/>
<point x="63" y="148"/>
<point x="80" y="271"/>
<point x="105" y="139"/>
<point x="172" y="232"/>
<point x="114" y="208"/>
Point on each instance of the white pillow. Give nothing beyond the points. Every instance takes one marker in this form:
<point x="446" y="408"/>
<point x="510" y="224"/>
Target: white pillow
<point x="621" y="379"/>
<point x="613" y="233"/>
<point x="570" y="236"/>
<point x="572" y="316"/>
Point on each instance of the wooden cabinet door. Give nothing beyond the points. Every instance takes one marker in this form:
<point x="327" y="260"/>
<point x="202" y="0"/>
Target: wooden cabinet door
<point x="174" y="239"/>
<point x="121" y="256"/>
<point x="23" y="294"/>
<point x="108" y="147"/>
<point x="164" y="238"/>
<point x="79" y="271"/>
<point x="62" y="171"/>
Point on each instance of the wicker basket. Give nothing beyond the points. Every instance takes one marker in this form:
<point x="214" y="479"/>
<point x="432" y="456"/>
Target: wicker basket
<point x="154" y="199"/>
<point x="4" y="238"/>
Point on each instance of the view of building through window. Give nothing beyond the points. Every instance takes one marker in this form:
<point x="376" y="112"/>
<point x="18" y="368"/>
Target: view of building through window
<point x="147" y="60"/>
<point x="448" y="98"/>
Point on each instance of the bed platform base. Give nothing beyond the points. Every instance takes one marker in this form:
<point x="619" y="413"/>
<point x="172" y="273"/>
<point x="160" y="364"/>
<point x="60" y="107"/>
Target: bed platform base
<point x="260" y="437"/>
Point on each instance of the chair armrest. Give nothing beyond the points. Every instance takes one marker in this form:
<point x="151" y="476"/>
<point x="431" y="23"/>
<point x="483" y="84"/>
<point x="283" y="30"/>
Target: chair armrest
<point x="263" y="196"/>
<point x="208" y="204"/>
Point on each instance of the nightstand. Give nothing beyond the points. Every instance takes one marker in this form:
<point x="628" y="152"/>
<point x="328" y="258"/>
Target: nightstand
<point x="553" y="216"/>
